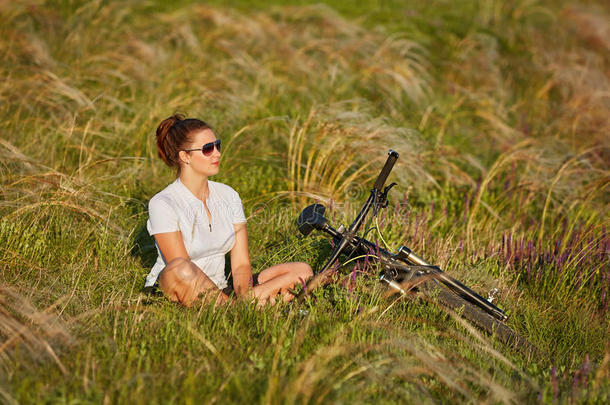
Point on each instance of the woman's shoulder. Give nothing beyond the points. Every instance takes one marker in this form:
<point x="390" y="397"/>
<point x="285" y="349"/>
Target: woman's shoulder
<point x="167" y="195"/>
<point x="222" y="188"/>
<point x="224" y="191"/>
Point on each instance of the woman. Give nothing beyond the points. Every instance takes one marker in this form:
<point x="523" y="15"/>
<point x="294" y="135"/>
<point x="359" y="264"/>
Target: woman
<point x="196" y="221"/>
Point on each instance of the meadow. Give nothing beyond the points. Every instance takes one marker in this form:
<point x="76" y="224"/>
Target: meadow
<point x="499" y="110"/>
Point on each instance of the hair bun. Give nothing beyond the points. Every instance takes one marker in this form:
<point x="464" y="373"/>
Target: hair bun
<point x="171" y="138"/>
<point x="176" y="117"/>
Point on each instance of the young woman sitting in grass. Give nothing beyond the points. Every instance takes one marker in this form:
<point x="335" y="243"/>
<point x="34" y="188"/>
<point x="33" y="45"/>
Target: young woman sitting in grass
<point x="196" y="221"/>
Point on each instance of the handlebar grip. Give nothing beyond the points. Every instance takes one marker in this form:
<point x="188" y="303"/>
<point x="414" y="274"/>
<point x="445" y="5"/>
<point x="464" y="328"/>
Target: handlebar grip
<point x="387" y="168"/>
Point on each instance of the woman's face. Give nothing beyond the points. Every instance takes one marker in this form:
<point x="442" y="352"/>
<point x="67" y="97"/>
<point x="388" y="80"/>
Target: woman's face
<point x="198" y="162"/>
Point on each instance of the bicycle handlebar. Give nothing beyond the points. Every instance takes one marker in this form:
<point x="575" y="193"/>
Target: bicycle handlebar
<point x="387" y="168"/>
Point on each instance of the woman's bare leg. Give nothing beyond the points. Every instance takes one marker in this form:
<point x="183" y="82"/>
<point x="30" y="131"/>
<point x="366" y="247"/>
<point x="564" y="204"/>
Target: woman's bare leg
<point x="182" y="281"/>
<point x="279" y="279"/>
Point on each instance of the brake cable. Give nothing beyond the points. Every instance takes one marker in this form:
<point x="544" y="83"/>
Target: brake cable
<point x="380" y="235"/>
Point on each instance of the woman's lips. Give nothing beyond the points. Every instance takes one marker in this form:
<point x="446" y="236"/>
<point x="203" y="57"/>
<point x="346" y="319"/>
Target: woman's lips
<point x="216" y="163"/>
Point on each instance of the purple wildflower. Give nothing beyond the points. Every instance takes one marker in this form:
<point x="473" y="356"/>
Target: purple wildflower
<point x="584" y="370"/>
<point x="352" y="282"/>
<point x="555" y="383"/>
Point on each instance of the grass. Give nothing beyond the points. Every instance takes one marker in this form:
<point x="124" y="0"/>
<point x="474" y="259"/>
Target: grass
<point x="500" y="114"/>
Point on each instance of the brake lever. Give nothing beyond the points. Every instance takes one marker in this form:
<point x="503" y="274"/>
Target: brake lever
<point x="386" y="190"/>
<point x="381" y="199"/>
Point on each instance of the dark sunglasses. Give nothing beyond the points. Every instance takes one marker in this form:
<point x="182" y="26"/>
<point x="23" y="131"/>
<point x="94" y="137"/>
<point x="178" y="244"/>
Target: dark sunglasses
<point x="208" y="148"/>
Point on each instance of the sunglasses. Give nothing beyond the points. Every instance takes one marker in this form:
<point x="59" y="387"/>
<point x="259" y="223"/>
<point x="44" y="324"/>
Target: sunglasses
<point x="208" y="148"/>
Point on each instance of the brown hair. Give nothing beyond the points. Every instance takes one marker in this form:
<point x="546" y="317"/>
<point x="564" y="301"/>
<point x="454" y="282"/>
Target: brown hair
<point x="173" y="135"/>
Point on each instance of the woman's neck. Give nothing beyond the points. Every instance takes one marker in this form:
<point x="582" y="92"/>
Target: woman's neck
<point x="198" y="185"/>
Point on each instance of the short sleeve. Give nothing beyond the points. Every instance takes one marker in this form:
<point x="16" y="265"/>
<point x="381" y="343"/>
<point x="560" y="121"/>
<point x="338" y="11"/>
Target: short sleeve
<point x="162" y="217"/>
<point x="237" y="209"/>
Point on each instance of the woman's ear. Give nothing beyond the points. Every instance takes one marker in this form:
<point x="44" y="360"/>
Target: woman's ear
<point x="184" y="157"/>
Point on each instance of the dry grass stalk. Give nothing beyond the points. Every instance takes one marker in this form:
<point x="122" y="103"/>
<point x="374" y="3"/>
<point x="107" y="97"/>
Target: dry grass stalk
<point x="40" y="333"/>
<point x="335" y="154"/>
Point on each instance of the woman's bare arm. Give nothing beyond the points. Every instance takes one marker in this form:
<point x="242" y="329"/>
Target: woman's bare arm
<point x="171" y="245"/>
<point x="240" y="261"/>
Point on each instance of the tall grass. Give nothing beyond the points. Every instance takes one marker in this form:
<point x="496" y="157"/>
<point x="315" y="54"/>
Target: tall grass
<point x="500" y="114"/>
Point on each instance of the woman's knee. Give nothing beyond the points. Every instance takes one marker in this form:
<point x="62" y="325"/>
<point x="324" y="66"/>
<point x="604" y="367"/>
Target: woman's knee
<point x="177" y="270"/>
<point x="301" y="272"/>
<point x="304" y="270"/>
<point x="296" y="270"/>
<point x="178" y="279"/>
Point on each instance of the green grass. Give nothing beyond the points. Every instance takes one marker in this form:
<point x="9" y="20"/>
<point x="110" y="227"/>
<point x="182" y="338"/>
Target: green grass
<point x="498" y="109"/>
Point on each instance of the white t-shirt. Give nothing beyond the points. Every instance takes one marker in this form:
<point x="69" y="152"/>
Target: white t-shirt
<point x="175" y="208"/>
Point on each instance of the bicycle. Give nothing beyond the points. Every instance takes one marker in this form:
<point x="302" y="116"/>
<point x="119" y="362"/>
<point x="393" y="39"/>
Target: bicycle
<point x="403" y="271"/>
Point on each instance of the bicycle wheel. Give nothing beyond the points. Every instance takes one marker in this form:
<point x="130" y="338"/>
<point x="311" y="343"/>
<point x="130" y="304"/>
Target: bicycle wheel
<point x="484" y="321"/>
